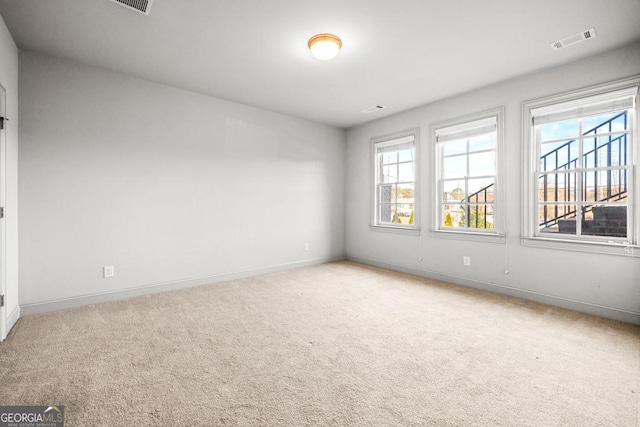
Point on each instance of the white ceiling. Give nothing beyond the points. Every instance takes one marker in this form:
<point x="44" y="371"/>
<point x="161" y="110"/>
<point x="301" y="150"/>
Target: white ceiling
<point x="399" y="54"/>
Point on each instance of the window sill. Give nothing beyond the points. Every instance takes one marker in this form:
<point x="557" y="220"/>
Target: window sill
<point x="608" y="248"/>
<point x="414" y="231"/>
<point x="469" y="235"/>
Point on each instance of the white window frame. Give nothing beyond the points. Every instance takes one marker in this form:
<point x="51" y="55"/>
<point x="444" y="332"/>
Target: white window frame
<point x="572" y="102"/>
<point x="405" y="138"/>
<point x="461" y="126"/>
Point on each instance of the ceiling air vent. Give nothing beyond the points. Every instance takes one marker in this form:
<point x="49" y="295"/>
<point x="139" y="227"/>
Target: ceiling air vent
<point x="576" y="38"/>
<point x="142" y="6"/>
<point x="372" y="109"/>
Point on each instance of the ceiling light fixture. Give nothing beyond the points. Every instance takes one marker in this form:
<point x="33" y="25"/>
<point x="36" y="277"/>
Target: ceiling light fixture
<point x="324" y="46"/>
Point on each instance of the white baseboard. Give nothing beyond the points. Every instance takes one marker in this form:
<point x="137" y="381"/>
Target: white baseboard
<point x="580" y="306"/>
<point x="65" y="303"/>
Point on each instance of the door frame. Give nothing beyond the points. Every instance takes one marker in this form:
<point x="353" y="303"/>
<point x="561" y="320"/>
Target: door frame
<point x="4" y="313"/>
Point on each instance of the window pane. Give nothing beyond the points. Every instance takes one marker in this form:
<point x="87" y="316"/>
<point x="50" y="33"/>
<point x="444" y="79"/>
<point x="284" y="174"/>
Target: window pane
<point x="557" y="219"/>
<point x="605" y="221"/>
<point x="559" y="130"/>
<point x="604" y="123"/>
<point x="482" y="142"/>
<point x="453" y="216"/>
<point x="481" y="190"/>
<point x="595" y="184"/>
<point x="589" y="153"/>
<point x="611" y="150"/>
<point x="406" y="172"/>
<point x="453" y="191"/>
<point x="619" y="184"/>
<point x="619" y="150"/>
<point x="557" y="187"/>
<point x="481" y="216"/>
<point x="558" y="155"/>
<point x="548" y="155"/>
<point x="405" y="194"/>
<point x="406" y="154"/>
<point x="390" y="173"/>
<point x="482" y="164"/>
<point x="605" y="185"/>
<point x="457" y="146"/>
<point x="404" y="213"/>
<point x="454" y="167"/>
<point x="389" y="157"/>
<point x="620" y="122"/>
<point x="387" y="213"/>
<point x="387" y="194"/>
<point x="603" y="151"/>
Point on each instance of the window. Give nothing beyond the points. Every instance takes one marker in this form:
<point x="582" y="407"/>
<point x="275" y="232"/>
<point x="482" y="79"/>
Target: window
<point x="395" y="181"/>
<point x="580" y="166"/>
<point x="467" y="156"/>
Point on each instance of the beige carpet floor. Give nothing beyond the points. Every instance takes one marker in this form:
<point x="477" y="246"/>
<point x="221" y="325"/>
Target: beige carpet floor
<point x="338" y="344"/>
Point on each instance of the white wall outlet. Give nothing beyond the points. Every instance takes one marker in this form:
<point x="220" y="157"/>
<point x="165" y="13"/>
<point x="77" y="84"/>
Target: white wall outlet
<point x="306" y="247"/>
<point x="466" y="260"/>
<point x="108" y="271"/>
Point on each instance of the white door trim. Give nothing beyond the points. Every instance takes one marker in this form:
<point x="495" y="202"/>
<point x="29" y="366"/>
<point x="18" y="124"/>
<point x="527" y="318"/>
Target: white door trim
<point x="7" y="319"/>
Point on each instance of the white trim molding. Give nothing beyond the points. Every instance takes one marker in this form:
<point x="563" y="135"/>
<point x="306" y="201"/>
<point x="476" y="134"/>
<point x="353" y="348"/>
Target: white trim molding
<point x="97" y="298"/>
<point x="554" y="300"/>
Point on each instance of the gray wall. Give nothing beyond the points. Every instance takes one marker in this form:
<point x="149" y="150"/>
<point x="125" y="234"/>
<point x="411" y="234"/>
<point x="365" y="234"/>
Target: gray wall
<point x="177" y="189"/>
<point x="600" y="284"/>
<point x="171" y="187"/>
<point x="9" y="80"/>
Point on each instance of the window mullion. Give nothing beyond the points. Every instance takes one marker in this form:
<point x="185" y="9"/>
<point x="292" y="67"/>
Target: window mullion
<point x="396" y="192"/>
<point x="632" y="158"/>
<point x="580" y="178"/>
<point x="465" y="205"/>
<point x="378" y="213"/>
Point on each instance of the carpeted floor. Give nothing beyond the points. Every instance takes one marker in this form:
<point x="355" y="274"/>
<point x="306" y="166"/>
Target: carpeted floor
<point x="338" y="344"/>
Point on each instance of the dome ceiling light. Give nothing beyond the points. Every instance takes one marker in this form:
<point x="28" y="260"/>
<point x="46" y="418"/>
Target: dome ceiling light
<point x="324" y="46"/>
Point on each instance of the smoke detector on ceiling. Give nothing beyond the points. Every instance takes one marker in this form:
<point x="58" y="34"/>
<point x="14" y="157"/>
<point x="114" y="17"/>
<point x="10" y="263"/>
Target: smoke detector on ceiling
<point x="372" y="109"/>
<point x="574" y="39"/>
<point x="142" y="6"/>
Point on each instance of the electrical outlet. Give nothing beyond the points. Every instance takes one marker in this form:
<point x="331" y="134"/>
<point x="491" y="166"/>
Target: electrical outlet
<point x="466" y="261"/>
<point x="306" y="247"/>
<point x="108" y="271"/>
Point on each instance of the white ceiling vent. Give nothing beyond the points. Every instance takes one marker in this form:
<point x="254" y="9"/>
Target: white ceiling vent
<point x="574" y="39"/>
<point x="372" y="109"/>
<point x="142" y="6"/>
